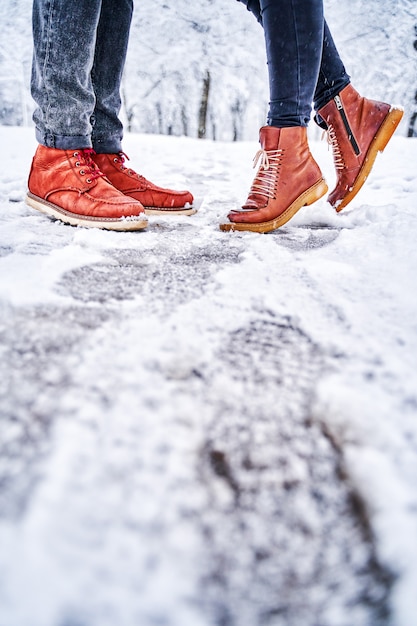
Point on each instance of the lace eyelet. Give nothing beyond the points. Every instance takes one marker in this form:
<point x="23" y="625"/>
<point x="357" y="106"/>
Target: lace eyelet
<point x="88" y="180"/>
<point x="82" y="172"/>
<point x="76" y="154"/>
<point x="77" y="164"/>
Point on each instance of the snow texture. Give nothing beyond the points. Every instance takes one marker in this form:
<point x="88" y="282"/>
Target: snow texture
<point x="210" y="429"/>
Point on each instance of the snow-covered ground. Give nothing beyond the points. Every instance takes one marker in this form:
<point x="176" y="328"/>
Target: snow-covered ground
<point x="209" y="429"/>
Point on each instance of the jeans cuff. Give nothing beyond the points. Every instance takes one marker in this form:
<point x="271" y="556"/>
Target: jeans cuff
<point x="63" y="142"/>
<point x="107" y="144"/>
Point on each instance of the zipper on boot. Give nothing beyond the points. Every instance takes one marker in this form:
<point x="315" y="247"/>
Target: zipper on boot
<point x="339" y="107"/>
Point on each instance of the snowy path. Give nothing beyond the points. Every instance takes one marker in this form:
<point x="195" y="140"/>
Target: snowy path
<point x="209" y="429"/>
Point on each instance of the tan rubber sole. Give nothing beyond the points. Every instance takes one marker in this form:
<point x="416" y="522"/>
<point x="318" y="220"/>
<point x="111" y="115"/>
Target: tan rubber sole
<point x="106" y="223"/>
<point x="163" y="212"/>
<point x="378" y="144"/>
<point x="311" y="195"/>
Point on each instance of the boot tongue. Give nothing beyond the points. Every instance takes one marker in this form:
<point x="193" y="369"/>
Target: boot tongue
<point x="269" y="137"/>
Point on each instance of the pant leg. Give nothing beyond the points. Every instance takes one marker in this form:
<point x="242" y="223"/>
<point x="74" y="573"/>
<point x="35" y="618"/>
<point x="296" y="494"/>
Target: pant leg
<point x="294" y="36"/>
<point x="254" y="7"/>
<point x="64" y="37"/>
<point x="110" y="54"/>
<point x="332" y="76"/>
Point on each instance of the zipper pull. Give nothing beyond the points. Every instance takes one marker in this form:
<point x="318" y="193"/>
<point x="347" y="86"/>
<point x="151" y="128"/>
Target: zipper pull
<point x="338" y="103"/>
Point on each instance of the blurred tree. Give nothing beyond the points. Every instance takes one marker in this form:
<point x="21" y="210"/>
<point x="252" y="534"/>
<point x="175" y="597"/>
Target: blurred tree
<point x="412" y="126"/>
<point x="174" y="47"/>
<point x="15" y="60"/>
<point x="375" y="38"/>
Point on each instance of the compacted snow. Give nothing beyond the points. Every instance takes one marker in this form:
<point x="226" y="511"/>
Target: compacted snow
<point x="209" y="429"/>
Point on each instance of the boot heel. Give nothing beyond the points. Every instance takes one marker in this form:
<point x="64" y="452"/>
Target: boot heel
<point x="388" y="128"/>
<point x="316" y="192"/>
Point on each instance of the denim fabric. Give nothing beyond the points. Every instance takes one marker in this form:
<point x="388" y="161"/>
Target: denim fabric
<point x="304" y="65"/>
<point x="79" y="54"/>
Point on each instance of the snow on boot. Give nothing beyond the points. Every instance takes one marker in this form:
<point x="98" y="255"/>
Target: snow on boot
<point x="288" y="178"/>
<point x="67" y="185"/>
<point x="357" y="129"/>
<point x="156" y="200"/>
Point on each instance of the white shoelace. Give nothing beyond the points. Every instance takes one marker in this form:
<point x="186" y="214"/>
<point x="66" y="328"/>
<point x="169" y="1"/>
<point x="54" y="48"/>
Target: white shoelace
<point x="332" y="141"/>
<point x="267" y="175"/>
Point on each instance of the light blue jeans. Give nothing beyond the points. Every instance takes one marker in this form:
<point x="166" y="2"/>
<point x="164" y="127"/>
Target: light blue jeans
<point x="79" y="55"/>
<point x="304" y="65"/>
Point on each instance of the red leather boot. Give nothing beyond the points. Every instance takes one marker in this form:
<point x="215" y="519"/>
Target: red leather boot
<point x="67" y="185"/>
<point x="357" y="129"/>
<point x="288" y="178"/>
<point x="156" y="200"/>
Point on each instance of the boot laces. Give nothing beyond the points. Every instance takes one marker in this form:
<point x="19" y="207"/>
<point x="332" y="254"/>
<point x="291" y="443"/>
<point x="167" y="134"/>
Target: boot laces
<point x="121" y="157"/>
<point x="89" y="167"/>
<point x="267" y="174"/>
<point x="332" y="141"/>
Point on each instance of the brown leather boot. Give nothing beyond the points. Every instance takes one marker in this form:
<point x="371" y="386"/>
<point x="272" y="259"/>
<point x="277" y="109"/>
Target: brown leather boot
<point x="67" y="185"/>
<point x="288" y="179"/>
<point x="357" y="129"/>
<point x="156" y="200"/>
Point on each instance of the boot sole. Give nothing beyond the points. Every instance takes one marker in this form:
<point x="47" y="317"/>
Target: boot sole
<point x="378" y="144"/>
<point x="162" y="211"/>
<point x="311" y="195"/>
<point x="106" y="223"/>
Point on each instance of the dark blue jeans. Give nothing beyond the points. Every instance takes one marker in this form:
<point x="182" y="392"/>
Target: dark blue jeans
<point x="303" y="63"/>
<point x="79" y="54"/>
